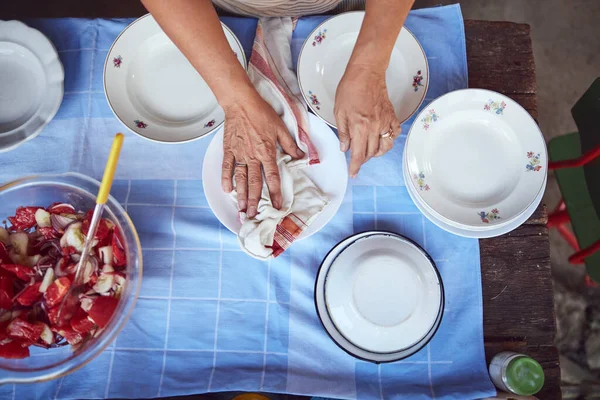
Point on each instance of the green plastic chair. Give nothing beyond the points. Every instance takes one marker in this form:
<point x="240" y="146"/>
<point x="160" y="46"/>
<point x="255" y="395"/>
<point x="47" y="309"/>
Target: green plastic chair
<point x="575" y="157"/>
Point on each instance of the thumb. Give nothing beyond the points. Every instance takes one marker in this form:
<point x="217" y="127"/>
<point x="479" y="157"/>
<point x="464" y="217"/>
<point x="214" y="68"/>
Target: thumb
<point x="288" y="144"/>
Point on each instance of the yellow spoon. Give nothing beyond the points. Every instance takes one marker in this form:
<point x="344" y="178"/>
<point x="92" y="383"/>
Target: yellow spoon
<point x="69" y="302"/>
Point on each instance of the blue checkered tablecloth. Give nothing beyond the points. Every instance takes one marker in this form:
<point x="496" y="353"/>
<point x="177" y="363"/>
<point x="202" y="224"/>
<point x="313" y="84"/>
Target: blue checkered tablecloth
<point x="209" y="318"/>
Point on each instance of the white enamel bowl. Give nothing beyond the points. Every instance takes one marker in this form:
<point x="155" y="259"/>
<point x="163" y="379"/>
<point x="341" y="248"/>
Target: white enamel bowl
<point x="331" y="176"/>
<point x="155" y="91"/>
<point x="379" y="296"/>
<point x="475" y="160"/>
<point x="31" y="83"/>
<point x="325" y="55"/>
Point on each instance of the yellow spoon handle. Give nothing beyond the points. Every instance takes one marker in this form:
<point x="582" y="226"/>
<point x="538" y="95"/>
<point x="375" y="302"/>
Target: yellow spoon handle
<point x="109" y="171"/>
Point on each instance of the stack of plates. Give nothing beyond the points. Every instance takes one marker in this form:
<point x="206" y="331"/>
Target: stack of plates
<point x="475" y="163"/>
<point x="31" y="83"/>
<point x="379" y="296"/>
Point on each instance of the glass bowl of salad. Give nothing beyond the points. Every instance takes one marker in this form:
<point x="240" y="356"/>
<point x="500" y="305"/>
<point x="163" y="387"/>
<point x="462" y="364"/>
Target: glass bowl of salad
<point x="44" y="221"/>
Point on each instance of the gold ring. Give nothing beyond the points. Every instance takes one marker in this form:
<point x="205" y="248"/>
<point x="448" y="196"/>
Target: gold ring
<point x="388" y="134"/>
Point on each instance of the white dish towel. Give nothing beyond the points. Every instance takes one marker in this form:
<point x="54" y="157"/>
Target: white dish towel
<point x="272" y="231"/>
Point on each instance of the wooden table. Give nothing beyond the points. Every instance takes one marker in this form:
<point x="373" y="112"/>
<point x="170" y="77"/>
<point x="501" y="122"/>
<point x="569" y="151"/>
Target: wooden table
<point x="518" y="309"/>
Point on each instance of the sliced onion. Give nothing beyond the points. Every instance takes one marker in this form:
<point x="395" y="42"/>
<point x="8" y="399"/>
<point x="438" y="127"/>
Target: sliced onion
<point x="75" y="257"/>
<point x="47" y="335"/>
<point x="106" y="254"/>
<point x="44" y="260"/>
<point x="42" y="218"/>
<point x="61" y="205"/>
<point x="74" y="237"/>
<point x="119" y="285"/>
<point x="86" y="304"/>
<point x="53" y="246"/>
<point x="88" y="270"/>
<point x="98" y="332"/>
<point x="61" y="221"/>
<point x="104" y="283"/>
<point x="47" y="281"/>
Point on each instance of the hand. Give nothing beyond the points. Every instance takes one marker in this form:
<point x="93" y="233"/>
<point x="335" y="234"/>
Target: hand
<point x="252" y="130"/>
<point x="363" y="113"/>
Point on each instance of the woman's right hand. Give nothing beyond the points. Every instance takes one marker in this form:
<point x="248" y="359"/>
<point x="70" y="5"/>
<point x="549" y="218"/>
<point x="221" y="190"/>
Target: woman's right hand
<point x="252" y="130"/>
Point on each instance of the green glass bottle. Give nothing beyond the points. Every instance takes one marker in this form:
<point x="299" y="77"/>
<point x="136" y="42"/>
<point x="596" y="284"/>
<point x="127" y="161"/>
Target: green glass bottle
<point x="516" y="373"/>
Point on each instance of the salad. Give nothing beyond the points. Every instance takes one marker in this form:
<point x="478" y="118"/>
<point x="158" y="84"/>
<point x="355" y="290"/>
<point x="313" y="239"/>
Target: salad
<point x="39" y="252"/>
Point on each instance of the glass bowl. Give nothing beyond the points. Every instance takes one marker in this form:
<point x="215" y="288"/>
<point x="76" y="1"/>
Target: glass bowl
<point x="80" y="191"/>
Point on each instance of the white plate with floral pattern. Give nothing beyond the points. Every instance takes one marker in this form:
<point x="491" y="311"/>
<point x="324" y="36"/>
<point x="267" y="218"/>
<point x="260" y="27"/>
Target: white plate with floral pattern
<point x="31" y="83"/>
<point x="476" y="159"/>
<point x="497" y="230"/>
<point x="154" y="90"/>
<point x="325" y="55"/>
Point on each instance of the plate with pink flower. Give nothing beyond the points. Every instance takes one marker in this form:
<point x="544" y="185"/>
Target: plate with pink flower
<point x="475" y="160"/>
<point x="325" y="55"/>
<point x="155" y="91"/>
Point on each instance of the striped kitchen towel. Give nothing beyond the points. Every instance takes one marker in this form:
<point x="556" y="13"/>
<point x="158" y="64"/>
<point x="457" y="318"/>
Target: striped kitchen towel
<point x="272" y="231"/>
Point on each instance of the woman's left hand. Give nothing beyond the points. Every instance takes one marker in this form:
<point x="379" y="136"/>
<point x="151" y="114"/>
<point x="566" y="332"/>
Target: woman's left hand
<point x="366" y="121"/>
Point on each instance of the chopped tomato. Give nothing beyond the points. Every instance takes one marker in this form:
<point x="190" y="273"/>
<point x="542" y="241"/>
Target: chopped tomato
<point x="21" y="271"/>
<point x="119" y="257"/>
<point x="81" y="323"/>
<point x="13" y="350"/>
<point x="67" y="251"/>
<point x="30" y="295"/>
<point x="6" y="292"/>
<point x="30" y="317"/>
<point x="61" y="208"/>
<point x="49" y="232"/>
<point x="53" y="316"/>
<point x="24" y="218"/>
<point x="103" y="230"/>
<point x="56" y="291"/>
<point x="102" y="309"/>
<point x="21" y="329"/>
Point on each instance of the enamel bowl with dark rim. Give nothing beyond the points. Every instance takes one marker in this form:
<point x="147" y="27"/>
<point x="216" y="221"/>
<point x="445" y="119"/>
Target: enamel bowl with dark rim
<point x="379" y="296"/>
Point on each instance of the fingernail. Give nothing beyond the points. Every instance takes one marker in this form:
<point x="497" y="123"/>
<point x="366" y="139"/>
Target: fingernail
<point x="353" y="176"/>
<point x="277" y="204"/>
<point x="299" y="153"/>
<point x="343" y="146"/>
<point x="251" y="211"/>
<point x="242" y="204"/>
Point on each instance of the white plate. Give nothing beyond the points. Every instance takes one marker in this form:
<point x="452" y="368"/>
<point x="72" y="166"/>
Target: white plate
<point x="154" y="90"/>
<point x="476" y="159"/>
<point x="331" y="176"/>
<point x="325" y="55"/>
<point x="383" y="293"/>
<point x="31" y="83"/>
<point x="497" y="229"/>
<point x="366" y="303"/>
